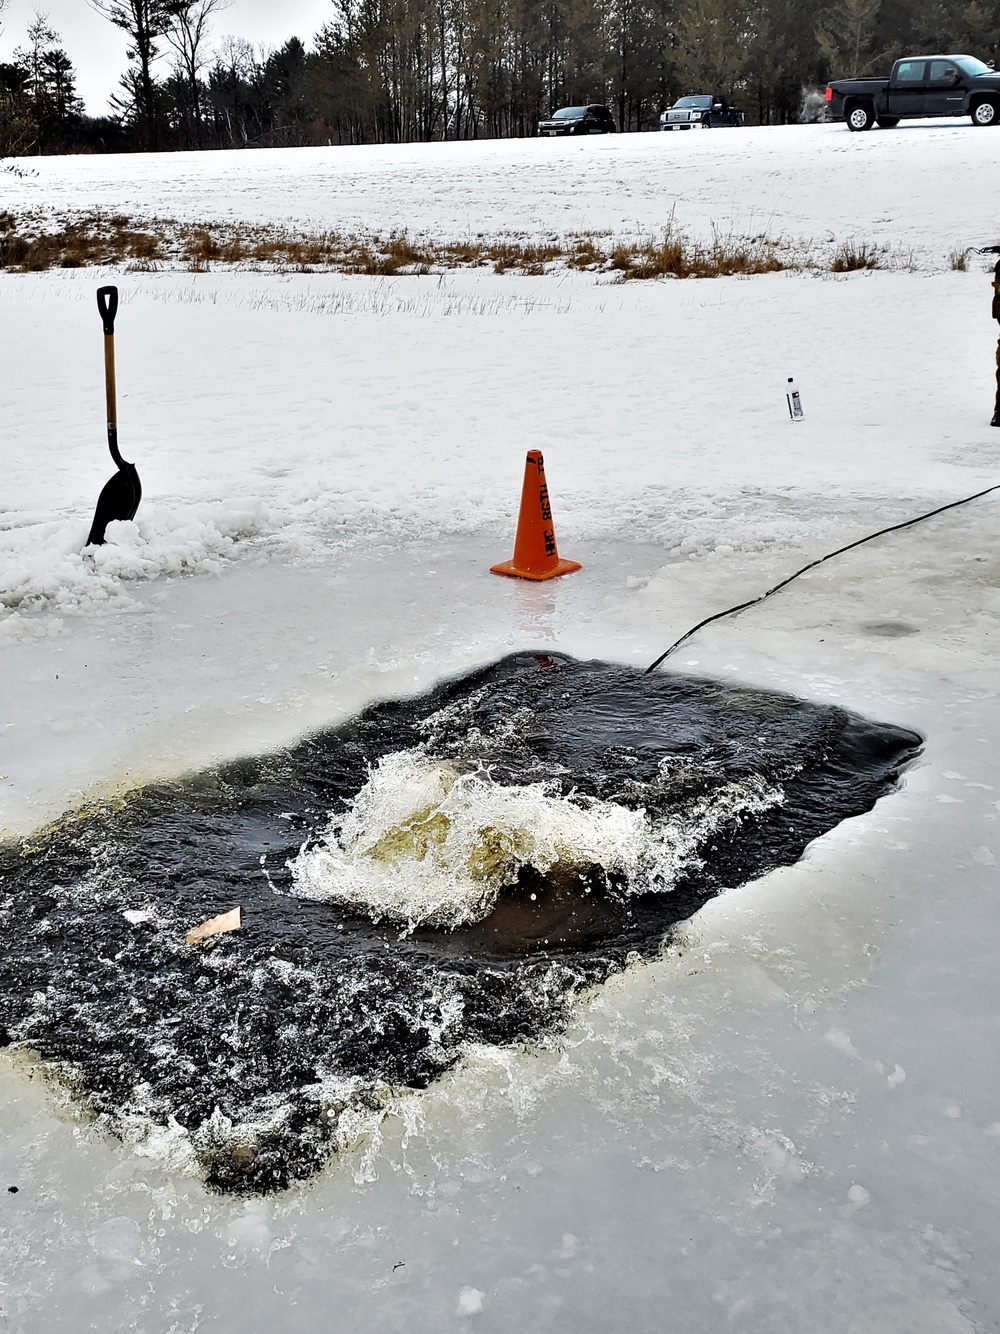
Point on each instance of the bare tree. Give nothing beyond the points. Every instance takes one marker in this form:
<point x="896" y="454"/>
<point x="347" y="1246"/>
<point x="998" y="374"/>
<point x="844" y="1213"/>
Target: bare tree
<point x="40" y="38"/>
<point x="144" y="22"/>
<point x="187" y="37"/>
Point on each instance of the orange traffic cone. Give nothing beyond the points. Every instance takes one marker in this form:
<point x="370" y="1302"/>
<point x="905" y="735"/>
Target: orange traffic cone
<point x="535" y="553"/>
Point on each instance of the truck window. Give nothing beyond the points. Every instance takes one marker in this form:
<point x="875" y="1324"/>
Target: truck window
<point x="972" y="66"/>
<point x="942" y="71"/>
<point x="910" y="71"/>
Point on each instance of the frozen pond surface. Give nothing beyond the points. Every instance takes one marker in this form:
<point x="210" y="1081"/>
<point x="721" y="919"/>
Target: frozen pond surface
<point x="791" y="1118"/>
<point x="795" y="1108"/>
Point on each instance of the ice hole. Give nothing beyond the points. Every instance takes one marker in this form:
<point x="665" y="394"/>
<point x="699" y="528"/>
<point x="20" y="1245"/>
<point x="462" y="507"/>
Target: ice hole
<point x="437" y="871"/>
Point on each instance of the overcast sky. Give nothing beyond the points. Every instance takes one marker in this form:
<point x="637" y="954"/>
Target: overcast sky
<point x="97" y="48"/>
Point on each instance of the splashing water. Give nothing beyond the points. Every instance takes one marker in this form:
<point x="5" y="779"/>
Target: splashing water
<point x="424" y="844"/>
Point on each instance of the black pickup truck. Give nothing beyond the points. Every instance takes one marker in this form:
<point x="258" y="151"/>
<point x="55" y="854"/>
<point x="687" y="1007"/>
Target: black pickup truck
<point x="702" y="109"/>
<point x="919" y="86"/>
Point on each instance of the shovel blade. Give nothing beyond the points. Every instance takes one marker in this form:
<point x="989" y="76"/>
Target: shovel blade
<point x="119" y="500"/>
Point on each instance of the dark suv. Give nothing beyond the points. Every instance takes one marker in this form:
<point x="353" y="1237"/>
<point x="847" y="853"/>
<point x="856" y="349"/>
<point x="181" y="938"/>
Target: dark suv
<point x="579" y="120"/>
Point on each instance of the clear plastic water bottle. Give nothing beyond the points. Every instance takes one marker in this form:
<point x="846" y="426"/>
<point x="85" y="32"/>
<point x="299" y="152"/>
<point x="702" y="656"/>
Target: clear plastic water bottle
<point x="794" y="401"/>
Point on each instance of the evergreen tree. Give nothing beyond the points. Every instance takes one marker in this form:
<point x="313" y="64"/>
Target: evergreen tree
<point x="145" y="23"/>
<point x="846" y="35"/>
<point x="39" y="107"/>
<point x="714" y="40"/>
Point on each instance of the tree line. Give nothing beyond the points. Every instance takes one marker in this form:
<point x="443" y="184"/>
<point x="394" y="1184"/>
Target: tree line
<point x="391" y="71"/>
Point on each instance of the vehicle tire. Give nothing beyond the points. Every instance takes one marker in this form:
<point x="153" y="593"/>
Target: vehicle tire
<point x="986" y="112"/>
<point x="860" y="117"/>
<point x="888" y="122"/>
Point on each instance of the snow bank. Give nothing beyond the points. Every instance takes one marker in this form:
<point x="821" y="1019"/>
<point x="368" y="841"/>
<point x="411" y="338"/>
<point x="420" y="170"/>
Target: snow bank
<point x="46" y="565"/>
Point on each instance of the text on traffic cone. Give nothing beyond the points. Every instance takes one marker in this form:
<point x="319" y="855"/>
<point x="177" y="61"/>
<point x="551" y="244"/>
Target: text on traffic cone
<point x="535" y="552"/>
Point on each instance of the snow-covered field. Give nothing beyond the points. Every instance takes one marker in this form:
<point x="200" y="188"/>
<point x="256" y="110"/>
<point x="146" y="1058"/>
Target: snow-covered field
<point x="924" y="188"/>
<point x="792" y="1122"/>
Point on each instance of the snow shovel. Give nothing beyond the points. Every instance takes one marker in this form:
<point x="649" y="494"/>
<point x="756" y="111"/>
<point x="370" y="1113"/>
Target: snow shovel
<point x="121" y="495"/>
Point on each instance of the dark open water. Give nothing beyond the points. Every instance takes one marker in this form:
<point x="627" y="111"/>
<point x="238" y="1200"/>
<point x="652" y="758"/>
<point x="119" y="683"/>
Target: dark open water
<point x="257" y="1041"/>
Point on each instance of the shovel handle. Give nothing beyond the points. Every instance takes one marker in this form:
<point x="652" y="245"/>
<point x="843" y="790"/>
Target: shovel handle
<point x="107" y="304"/>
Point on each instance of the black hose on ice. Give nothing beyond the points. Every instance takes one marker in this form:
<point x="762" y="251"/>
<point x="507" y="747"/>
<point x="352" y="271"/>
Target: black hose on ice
<point x="893" y="528"/>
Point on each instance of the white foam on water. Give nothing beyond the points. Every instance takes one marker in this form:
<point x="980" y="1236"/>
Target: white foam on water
<point x="424" y="843"/>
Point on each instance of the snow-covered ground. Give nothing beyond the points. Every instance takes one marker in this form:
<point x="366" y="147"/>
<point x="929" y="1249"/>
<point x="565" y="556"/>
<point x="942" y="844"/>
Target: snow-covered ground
<point x="924" y="188"/>
<point x="792" y="1122"/>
